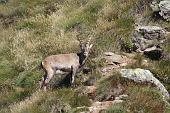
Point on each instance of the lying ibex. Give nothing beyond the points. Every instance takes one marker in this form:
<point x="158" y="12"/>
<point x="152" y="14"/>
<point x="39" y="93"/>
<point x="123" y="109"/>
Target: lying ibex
<point x="70" y="63"/>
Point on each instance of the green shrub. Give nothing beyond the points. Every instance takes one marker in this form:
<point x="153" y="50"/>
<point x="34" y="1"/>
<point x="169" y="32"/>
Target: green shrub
<point x="127" y="45"/>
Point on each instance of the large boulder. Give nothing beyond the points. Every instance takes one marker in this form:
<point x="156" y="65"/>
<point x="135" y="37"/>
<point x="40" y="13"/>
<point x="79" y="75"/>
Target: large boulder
<point x="162" y="7"/>
<point x="142" y="76"/>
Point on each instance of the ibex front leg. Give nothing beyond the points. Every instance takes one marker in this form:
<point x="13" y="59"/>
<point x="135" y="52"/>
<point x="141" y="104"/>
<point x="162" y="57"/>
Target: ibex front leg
<point x="74" y="70"/>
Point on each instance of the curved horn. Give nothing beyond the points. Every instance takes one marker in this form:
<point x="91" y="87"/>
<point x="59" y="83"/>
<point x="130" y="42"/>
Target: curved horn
<point x="81" y="42"/>
<point x="89" y="40"/>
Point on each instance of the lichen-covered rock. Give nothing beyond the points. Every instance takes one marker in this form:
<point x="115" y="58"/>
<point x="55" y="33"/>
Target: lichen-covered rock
<point x="142" y="75"/>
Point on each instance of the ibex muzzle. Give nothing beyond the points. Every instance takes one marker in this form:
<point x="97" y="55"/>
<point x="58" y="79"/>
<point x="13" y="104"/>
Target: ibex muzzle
<point x="64" y="63"/>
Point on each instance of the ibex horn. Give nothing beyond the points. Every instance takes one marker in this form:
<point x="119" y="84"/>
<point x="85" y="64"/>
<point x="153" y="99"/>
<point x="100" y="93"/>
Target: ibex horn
<point x="89" y="40"/>
<point x="81" y="42"/>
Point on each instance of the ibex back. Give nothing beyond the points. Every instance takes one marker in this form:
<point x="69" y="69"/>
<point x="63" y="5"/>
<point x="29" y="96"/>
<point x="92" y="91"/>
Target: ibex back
<point x="64" y="63"/>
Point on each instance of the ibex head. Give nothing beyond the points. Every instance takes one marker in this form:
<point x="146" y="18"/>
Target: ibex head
<point x="85" y="47"/>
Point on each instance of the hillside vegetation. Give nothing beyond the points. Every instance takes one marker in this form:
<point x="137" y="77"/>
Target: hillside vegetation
<point x="31" y="30"/>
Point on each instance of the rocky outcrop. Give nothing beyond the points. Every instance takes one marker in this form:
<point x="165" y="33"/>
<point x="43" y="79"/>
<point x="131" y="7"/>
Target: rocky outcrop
<point x="142" y="76"/>
<point x="148" y="36"/>
<point x="149" y="39"/>
<point x="113" y="61"/>
<point x="163" y="7"/>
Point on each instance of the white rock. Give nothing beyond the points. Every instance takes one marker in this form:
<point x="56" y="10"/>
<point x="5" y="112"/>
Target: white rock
<point x="149" y="29"/>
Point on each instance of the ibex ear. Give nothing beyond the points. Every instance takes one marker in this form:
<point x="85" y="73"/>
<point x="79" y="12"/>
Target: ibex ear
<point x="91" y="45"/>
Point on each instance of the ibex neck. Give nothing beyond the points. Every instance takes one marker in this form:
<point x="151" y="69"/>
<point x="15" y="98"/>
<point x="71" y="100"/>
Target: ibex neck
<point x="82" y="58"/>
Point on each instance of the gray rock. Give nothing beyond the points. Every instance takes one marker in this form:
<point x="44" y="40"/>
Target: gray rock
<point x="164" y="7"/>
<point x="151" y="32"/>
<point x="142" y="75"/>
<point x="148" y="36"/>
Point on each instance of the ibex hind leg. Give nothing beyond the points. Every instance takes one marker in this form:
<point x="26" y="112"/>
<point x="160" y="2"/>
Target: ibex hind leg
<point x="50" y="73"/>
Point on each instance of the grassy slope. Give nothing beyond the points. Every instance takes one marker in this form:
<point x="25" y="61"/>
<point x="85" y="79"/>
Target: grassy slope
<point x="33" y="29"/>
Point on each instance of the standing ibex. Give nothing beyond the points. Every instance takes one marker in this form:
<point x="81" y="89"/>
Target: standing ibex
<point x="70" y="63"/>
